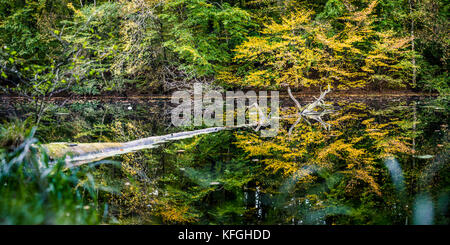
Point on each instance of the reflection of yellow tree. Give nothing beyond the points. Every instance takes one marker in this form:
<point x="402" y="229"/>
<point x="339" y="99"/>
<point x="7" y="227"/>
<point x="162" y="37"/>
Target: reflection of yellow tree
<point x="353" y="146"/>
<point x="174" y="213"/>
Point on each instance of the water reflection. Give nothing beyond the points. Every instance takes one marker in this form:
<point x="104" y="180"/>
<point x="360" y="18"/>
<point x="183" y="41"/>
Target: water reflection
<point x="383" y="161"/>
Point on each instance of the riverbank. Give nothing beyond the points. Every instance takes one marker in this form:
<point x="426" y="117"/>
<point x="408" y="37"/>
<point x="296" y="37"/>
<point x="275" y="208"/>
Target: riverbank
<point x="305" y="93"/>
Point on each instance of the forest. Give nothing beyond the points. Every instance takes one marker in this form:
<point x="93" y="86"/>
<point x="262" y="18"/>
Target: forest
<point x="83" y="75"/>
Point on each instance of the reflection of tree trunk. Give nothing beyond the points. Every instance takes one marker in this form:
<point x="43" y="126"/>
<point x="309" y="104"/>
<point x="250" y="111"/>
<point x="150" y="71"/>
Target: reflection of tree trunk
<point x="414" y="142"/>
<point x="414" y="130"/>
<point x="251" y="200"/>
<point x="411" y="8"/>
<point x="414" y="181"/>
<point x="264" y="204"/>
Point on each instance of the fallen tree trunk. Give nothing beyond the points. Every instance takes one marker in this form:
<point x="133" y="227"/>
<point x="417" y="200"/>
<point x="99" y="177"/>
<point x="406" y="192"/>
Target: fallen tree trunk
<point x="78" y="154"/>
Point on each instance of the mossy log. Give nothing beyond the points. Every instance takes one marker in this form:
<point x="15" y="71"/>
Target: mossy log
<point x="79" y="153"/>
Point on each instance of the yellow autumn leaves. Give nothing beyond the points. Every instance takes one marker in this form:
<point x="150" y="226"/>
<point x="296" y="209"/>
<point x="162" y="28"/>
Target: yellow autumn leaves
<point x="301" y="51"/>
<point x="346" y="148"/>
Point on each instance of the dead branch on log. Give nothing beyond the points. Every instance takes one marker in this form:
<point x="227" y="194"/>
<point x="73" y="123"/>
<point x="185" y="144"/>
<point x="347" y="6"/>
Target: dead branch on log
<point x="309" y="111"/>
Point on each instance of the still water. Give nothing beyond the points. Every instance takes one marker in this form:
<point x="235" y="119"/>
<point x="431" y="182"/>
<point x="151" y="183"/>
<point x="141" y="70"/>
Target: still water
<point x="384" y="161"/>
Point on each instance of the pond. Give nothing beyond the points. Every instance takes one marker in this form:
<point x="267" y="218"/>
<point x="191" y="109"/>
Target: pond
<point x="383" y="161"/>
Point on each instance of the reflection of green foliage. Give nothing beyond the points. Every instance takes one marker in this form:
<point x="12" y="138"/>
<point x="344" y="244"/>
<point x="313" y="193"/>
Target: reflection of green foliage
<point x="210" y="177"/>
<point x="211" y="180"/>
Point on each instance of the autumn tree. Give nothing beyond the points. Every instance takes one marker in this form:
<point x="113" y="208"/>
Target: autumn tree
<point x="301" y="51"/>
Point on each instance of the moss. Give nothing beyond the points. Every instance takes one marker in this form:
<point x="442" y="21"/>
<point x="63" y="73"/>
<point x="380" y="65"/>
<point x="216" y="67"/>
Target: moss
<point x="57" y="150"/>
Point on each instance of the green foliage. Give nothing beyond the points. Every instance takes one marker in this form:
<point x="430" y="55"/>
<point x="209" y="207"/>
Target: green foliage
<point x="204" y="35"/>
<point x="93" y="36"/>
<point x="432" y="41"/>
<point x="13" y="133"/>
<point x="160" y="45"/>
<point x="34" y="190"/>
<point x="26" y="27"/>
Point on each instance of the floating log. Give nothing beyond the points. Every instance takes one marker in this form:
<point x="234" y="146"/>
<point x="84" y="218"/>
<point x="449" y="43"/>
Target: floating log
<point x="80" y="153"/>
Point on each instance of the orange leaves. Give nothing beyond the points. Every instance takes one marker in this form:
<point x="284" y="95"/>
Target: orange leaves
<point x="77" y="12"/>
<point x="363" y="15"/>
<point x="286" y="167"/>
<point x="386" y="64"/>
<point x="395" y="146"/>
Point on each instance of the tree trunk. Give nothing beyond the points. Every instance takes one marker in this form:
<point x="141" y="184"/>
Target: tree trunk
<point x="411" y="10"/>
